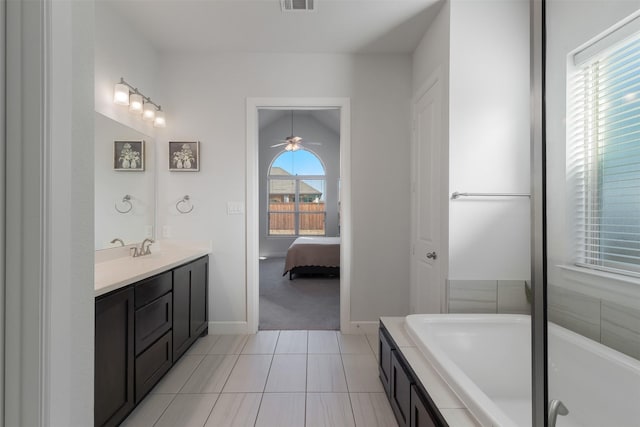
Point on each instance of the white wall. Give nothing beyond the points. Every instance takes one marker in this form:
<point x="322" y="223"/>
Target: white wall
<point x="432" y="52"/>
<point x="121" y="52"/>
<point x="112" y="185"/>
<point x="207" y="96"/>
<point x="564" y="34"/>
<point x="489" y="139"/>
<point x="49" y="281"/>
<point x="311" y="130"/>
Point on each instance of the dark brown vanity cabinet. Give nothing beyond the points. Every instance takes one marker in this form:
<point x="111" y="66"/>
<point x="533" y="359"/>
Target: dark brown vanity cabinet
<point x="384" y="350"/>
<point x="114" y="358"/>
<point x="408" y="397"/>
<point x="400" y="391"/>
<point x="153" y="338"/>
<point x="136" y="328"/>
<point x="190" y="292"/>
<point x="419" y="414"/>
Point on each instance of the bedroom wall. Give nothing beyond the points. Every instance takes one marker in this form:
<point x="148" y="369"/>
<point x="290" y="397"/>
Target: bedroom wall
<point x="206" y="100"/>
<point x="311" y="130"/>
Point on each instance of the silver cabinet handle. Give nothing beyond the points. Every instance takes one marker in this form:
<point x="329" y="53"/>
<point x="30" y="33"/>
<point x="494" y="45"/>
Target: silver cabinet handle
<point x="432" y="255"/>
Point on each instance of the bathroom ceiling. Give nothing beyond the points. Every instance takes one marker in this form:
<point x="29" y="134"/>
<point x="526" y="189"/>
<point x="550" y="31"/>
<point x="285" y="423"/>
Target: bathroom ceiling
<point x="336" y="26"/>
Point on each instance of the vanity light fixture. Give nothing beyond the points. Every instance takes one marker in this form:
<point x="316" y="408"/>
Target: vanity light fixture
<point x="159" y="121"/>
<point x="126" y="94"/>
<point x="149" y="112"/>
<point x="121" y="94"/>
<point x="135" y="103"/>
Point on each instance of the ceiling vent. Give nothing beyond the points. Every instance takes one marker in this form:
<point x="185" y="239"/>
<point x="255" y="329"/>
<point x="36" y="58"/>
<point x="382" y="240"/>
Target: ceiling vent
<point x="298" y="5"/>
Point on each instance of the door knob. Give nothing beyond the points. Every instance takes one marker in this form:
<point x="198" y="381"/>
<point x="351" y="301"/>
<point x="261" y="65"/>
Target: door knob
<point x="432" y="255"/>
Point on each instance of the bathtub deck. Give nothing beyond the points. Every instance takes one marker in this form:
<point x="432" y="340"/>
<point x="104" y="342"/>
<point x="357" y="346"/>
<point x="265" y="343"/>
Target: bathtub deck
<point x="451" y="408"/>
<point x="519" y="410"/>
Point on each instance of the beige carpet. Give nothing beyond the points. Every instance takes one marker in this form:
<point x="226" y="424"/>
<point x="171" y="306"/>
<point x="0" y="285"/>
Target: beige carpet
<point x="306" y="302"/>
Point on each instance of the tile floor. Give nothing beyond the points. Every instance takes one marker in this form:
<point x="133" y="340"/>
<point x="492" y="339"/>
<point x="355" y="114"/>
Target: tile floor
<point x="271" y="379"/>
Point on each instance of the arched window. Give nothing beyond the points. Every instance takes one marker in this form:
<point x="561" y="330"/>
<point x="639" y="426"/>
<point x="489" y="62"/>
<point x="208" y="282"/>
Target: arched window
<point x="296" y="186"/>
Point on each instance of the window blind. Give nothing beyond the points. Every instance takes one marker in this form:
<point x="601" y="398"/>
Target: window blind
<point x="604" y="158"/>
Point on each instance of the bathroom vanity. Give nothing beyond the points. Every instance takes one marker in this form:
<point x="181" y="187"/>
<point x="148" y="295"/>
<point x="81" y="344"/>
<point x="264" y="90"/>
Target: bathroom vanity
<point x="149" y="311"/>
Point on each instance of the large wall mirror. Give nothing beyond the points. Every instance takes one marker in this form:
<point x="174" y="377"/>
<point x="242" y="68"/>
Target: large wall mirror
<point x="124" y="184"/>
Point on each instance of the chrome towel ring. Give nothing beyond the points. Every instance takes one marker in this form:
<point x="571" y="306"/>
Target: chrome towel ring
<point x="185" y="201"/>
<point x="126" y="200"/>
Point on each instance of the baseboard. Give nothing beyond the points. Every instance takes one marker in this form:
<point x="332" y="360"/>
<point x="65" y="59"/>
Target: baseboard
<point x="226" y="328"/>
<point x="369" y="327"/>
<point x="242" y="327"/>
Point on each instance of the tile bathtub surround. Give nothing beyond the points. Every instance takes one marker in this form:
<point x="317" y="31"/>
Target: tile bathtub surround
<point x="221" y="383"/>
<point x="488" y="296"/>
<point x="473" y="296"/>
<point x="575" y="311"/>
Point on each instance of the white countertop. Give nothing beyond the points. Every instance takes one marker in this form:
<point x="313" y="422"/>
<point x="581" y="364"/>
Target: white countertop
<point x="112" y="274"/>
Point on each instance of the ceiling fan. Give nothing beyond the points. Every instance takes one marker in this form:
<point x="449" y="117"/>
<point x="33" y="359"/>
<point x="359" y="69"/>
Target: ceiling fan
<point x="292" y="143"/>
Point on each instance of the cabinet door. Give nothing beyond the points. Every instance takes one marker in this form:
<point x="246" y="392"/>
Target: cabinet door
<point x="199" y="294"/>
<point x="420" y="415"/>
<point x="181" y="312"/>
<point x="384" y="352"/>
<point x="400" y="390"/>
<point x="113" y="387"/>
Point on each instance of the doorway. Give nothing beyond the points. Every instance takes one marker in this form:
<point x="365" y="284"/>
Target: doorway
<point x="299" y="175"/>
<point x="272" y="227"/>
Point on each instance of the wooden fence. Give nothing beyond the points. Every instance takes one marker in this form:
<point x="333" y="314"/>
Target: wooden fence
<point x="282" y="218"/>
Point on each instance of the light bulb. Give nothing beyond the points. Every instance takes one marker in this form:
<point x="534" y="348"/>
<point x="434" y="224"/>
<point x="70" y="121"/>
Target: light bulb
<point x="148" y="112"/>
<point x="121" y="94"/>
<point x="135" y="103"/>
<point x="159" y="120"/>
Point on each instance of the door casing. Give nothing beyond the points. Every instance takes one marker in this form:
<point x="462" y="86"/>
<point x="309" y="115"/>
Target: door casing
<point x="253" y="206"/>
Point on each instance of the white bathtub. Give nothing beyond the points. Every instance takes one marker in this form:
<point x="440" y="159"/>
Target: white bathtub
<point x="486" y="360"/>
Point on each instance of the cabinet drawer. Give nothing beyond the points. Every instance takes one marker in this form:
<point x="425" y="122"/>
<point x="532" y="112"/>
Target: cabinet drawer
<point x="149" y="289"/>
<point x="152" y="321"/>
<point x="152" y="364"/>
<point x="384" y="365"/>
<point x="400" y="390"/>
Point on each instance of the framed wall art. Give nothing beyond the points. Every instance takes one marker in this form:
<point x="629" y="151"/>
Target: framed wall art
<point x="184" y="156"/>
<point x="128" y="156"/>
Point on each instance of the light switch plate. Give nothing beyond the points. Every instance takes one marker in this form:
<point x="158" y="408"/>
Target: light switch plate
<point x="166" y="231"/>
<point x="235" y="208"/>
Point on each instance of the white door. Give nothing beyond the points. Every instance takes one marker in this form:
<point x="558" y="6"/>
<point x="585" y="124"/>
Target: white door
<point x="427" y="291"/>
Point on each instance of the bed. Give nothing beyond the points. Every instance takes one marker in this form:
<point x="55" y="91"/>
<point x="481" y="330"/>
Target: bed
<point x="313" y="255"/>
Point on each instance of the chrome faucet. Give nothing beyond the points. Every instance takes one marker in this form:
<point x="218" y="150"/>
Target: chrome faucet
<point x="147" y="250"/>
<point x="119" y="240"/>
<point x="556" y="408"/>
<point x="142" y="250"/>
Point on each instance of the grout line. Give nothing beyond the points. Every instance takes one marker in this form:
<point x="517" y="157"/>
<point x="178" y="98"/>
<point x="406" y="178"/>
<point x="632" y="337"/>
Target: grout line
<point x="214" y="405"/>
<point x="230" y="371"/>
<point x="163" y="412"/>
<point x="192" y="372"/>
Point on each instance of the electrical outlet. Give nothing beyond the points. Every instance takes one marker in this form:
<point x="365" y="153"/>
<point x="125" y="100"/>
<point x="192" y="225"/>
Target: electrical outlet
<point x="166" y="231"/>
<point x="148" y="231"/>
